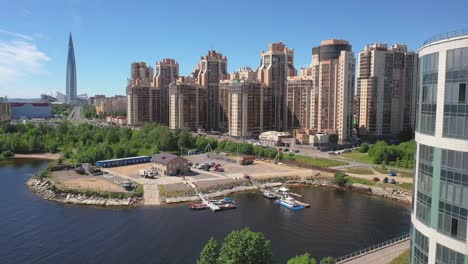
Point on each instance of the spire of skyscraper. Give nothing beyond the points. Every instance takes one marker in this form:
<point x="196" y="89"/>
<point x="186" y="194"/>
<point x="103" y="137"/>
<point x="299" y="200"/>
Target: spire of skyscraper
<point x="71" y="73"/>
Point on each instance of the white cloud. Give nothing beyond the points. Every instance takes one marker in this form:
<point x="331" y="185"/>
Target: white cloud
<point x="19" y="57"/>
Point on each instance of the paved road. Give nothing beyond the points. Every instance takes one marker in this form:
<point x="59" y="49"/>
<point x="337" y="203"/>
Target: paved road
<point x="75" y="115"/>
<point x="382" y="256"/>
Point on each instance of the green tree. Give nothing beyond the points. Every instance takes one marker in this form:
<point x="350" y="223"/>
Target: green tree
<point x="363" y="148"/>
<point x="246" y="247"/>
<point x="303" y="259"/>
<point x="340" y="179"/>
<point x="327" y="260"/>
<point x="209" y="254"/>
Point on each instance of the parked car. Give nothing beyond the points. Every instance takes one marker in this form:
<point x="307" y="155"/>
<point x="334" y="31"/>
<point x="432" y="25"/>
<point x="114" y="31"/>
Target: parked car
<point x="375" y="179"/>
<point x="296" y="151"/>
<point x="393" y="174"/>
<point x="246" y="177"/>
<point x="392" y="181"/>
<point x="286" y="150"/>
<point x="385" y="180"/>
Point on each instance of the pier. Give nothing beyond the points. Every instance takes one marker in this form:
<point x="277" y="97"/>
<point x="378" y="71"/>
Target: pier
<point x="212" y="206"/>
<point x="261" y="189"/>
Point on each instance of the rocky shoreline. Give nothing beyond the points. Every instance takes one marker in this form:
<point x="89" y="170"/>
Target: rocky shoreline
<point x="46" y="190"/>
<point x="387" y="193"/>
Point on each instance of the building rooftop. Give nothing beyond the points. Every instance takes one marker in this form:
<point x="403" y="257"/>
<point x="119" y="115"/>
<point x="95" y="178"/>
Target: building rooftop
<point x="163" y="158"/>
<point x="446" y="35"/>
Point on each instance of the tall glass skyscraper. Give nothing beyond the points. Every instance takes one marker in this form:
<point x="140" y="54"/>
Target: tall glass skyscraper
<point x="440" y="204"/>
<point x="71" y="72"/>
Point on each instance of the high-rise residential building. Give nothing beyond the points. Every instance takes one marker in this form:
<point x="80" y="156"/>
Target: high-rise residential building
<point x="387" y="79"/>
<point x="5" y="109"/>
<point x="277" y="64"/>
<point x="299" y="94"/>
<point x="332" y="72"/>
<point x="440" y="205"/>
<point x="245" y="106"/>
<point x="212" y="69"/>
<point x="141" y="96"/>
<point x="186" y="99"/>
<point x="243" y="74"/>
<point x="71" y="88"/>
<point x="167" y="71"/>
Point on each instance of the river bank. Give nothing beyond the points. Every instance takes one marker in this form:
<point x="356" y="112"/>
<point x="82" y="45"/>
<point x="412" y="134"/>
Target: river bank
<point x="41" y="156"/>
<point x="383" y="192"/>
<point x="47" y="190"/>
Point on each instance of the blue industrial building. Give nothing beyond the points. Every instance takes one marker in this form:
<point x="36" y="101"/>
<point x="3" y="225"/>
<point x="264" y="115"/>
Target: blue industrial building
<point x="123" y="161"/>
<point x="31" y="110"/>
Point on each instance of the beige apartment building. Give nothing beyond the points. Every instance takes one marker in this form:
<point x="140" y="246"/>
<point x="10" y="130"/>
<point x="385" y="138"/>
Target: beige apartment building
<point x="245" y="105"/>
<point x="277" y="64"/>
<point x="332" y="71"/>
<point x="109" y="105"/>
<point x="299" y="94"/>
<point x="387" y="79"/>
<point x="141" y="96"/>
<point x="167" y="72"/>
<point x="211" y="69"/>
<point x="186" y="99"/>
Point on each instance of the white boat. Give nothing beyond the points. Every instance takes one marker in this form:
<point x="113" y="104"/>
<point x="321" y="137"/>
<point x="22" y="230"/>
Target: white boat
<point x="283" y="190"/>
<point x="269" y="195"/>
<point x="289" y="203"/>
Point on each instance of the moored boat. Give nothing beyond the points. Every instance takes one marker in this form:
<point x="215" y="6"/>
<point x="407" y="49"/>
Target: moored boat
<point x="228" y="206"/>
<point x="226" y="200"/>
<point x="289" y="203"/>
<point x="283" y="190"/>
<point x="197" y="206"/>
<point x="268" y="195"/>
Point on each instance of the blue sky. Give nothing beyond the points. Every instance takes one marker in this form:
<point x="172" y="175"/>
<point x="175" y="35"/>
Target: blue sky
<point x="109" y="35"/>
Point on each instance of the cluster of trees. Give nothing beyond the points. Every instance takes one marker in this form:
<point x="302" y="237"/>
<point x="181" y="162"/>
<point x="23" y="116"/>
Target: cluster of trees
<point x="87" y="143"/>
<point x="247" y="247"/>
<point x="61" y="109"/>
<point x="247" y="148"/>
<point x="401" y="155"/>
<point x="89" y="111"/>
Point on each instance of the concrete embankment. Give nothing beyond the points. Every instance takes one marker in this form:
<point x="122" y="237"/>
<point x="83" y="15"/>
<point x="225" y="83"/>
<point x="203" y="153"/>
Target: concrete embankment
<point x="388" y="193"/>
<point x="46" y="190"/>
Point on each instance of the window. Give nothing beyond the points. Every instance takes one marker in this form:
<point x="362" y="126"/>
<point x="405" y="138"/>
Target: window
<point x="420" y="248"/>
<point x="462" y="93"/>
<point x="445" y="255"/>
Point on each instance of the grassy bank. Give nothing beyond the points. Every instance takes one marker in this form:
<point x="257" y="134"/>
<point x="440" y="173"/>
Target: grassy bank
<point x="402" y="259"/>
<point x="319" y="162"/>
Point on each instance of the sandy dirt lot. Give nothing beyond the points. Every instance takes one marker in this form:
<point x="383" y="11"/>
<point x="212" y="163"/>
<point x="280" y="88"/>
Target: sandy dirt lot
<point x="72" y="180"/>
<point x="259" y="168"/>
<point x="47" y="156"/>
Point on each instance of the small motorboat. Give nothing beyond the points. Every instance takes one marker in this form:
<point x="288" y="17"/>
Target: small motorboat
<point x="289" y="203"/>
<point x="283" y="191"/>
<point x="226" y="200"/>
<point x="268" y="195"/>
<point x="197" y="206"/>
<point x="228" y="206"/>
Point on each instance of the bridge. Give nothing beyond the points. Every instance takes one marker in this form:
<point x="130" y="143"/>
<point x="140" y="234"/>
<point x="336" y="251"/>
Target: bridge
<point x="381" y="253"/>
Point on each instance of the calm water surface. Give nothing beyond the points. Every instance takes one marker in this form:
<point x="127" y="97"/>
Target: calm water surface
<point x="36" y="231"/>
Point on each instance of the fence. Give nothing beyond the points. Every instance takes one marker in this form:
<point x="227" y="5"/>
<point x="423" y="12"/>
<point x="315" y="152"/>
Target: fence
<point x="446" y="35"/>
<point x="372" y="248"/>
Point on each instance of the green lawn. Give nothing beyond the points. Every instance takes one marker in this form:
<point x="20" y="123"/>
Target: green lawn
<point x="352" y="180"/>
<point x="319" y="162"/>
<point x="406" y="186"/>
<point x="357" y="156"/>
<point x="359" y="170"/>
<point x="380" y="169"/>
<point x="402" y="259"/>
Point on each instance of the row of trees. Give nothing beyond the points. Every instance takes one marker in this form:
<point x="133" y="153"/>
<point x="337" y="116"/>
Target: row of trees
<point x="247" y="247"/>
<point x="401" y="155"/>
<point x="87" y="143"/>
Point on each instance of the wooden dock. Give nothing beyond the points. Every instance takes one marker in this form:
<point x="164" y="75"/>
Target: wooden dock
<point x="212" y="206"/>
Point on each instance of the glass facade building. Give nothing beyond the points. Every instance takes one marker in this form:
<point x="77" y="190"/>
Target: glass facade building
<point x="71" y="94"/>
<point x="440" y="207"/>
